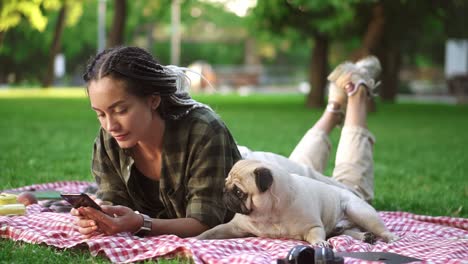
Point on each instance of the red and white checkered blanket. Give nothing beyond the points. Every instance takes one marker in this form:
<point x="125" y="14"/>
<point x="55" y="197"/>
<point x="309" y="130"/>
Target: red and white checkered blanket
<point x="432" y="239"/>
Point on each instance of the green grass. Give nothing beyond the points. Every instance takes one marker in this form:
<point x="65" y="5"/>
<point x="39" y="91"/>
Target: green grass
<point x="12" y="252"/>
<point x="420" y="153"/>
<point x="17" y="252"/>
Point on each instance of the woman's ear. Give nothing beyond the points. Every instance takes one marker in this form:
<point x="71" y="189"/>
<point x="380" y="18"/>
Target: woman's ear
<point x="155" y="100"/>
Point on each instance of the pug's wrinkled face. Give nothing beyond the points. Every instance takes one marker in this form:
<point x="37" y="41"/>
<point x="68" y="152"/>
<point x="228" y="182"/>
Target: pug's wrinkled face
<point x="247" y="180"/>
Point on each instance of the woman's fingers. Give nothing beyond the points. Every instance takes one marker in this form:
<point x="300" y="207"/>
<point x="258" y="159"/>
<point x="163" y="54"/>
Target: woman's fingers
<point x="87" y="231"/>
<point x="87" y="221"/>
<point x="86" y="226"/>
<point x="107" y="224"/>
<point x="82" y="222"/>
<point x="75" y="212"/>
<point x="112" y="220"/>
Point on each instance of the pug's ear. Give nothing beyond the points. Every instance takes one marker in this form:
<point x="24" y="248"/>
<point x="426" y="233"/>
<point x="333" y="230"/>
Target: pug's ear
<point x="263" y="178"/>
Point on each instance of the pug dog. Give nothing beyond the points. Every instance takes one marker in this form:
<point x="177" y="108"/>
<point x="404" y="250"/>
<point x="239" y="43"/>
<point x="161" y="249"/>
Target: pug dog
<point x="270" y="202"/>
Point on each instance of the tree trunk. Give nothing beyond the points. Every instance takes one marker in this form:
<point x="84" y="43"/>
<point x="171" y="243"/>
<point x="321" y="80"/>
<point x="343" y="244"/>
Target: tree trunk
<point x="373" y="38"/>
<point x="318" y="71"/>
<point x="376" y="42"/>
<point x="2" y="36"/>
<point x="55" y="47"/>
<point x="391" y="64"/>
<point x="116" y="35"/>
<point x="250" y="57"/>
<point x="149" y="36"/>
<point x="372" y="43"/>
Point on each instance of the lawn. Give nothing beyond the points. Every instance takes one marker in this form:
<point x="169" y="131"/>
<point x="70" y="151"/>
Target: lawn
<point x="420" y="153"/>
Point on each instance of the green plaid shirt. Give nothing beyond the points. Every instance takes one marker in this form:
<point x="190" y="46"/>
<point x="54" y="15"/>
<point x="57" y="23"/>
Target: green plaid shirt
<point x="198" y="152"/>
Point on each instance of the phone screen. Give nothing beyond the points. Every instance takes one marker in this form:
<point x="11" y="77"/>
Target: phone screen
<point x="78" y="200"/>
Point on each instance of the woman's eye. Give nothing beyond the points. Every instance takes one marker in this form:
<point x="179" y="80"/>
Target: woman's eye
<point x="121" y="111"/>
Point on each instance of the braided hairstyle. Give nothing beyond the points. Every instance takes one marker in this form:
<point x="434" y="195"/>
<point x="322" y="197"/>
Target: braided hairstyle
<point x="143" y="76"/>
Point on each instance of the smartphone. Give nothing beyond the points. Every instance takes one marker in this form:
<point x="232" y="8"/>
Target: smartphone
<point x="78" y="200"/>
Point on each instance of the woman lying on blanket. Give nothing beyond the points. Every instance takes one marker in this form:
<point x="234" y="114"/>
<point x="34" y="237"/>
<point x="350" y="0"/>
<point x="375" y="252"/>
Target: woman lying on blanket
<point x="161" y="157"/>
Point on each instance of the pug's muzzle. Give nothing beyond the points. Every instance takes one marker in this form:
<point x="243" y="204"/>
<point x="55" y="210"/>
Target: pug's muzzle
<point x="235" y="199"/>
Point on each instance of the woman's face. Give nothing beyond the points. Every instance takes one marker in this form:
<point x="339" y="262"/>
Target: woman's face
<point x="126" y="117"/>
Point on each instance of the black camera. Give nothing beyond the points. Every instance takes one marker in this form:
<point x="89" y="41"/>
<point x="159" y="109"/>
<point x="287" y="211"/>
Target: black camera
<point x="307" y="255"/>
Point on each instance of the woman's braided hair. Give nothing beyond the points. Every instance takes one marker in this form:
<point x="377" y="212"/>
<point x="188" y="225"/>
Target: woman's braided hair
<point x="144" y="76"/>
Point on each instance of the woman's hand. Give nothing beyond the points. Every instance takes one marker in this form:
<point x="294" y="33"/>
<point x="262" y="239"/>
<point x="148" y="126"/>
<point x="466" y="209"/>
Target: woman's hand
<point x="113" y="219"/>
<point x="86" y="226"/>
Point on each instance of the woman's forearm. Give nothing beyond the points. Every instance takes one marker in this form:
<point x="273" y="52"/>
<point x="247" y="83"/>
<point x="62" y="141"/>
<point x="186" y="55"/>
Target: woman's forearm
<point x="181" y="227"/>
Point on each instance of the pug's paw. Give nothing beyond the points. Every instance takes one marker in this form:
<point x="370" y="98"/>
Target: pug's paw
<point x="389" y="237"/>
<point x="321" y="243"/>
<point x="369" y="238"/>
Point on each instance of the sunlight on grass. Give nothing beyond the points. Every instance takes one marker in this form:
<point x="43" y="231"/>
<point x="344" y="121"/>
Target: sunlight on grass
<point x="75" y="92"/>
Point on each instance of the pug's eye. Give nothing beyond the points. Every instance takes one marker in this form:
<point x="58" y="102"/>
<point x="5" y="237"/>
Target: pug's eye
<point x="238" y="192"/>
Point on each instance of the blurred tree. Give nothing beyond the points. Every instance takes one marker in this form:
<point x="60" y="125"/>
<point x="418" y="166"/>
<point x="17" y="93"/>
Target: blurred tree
<point x="29" y="63"/>
<point x="76" y="8"/>
<point x="400" y="28"/>
<point x="55" y="47"/>
<point x="209" y="32"/>
<point x="146" y="19"/>
<point x="147" y="25"/>
<point x="19" y="61"/>
<point x="455" y="17"/>
<point x="321" y="20"/>
<point x="13" y="11"/>
<point x="390" y="29"/>
<point x="79" y="42"/>
<point x="220" y="37"/>
<point x="116" y="35"/>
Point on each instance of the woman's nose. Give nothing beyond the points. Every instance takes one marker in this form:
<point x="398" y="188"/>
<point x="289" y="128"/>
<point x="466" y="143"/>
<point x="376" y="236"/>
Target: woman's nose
<point x="112" y="124"/>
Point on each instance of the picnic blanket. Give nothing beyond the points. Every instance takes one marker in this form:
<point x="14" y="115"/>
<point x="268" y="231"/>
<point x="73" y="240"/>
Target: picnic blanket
<point x="431" y="239"/>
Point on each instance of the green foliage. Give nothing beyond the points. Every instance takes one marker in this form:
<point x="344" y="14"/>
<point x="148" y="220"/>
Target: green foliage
<point x="74" y="12"/>
<point x="454" y="15"/>
<point x="281" y="30"/>
<point x="308" y="17"/>
<point x="17" y="54"/>
<point x="209" y="33"/>
<point x="18" y="57"/>
<point x="79" y="42"/>
<point x="423" y="43"/>
<point x="406" y="25"/>
<point x="35" y="11"/>
<point x="213" y="53"/>
<point x="148" y="26"/>
<point x="142" y="14"/>
<point x="194" y="12"/>
<point x="295" y="23"/>
<point x="419" y="28"/>
<point x="13" y="10"/>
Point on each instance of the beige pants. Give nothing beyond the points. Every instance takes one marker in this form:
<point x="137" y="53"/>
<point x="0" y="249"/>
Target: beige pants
<point x="354" y="166"/>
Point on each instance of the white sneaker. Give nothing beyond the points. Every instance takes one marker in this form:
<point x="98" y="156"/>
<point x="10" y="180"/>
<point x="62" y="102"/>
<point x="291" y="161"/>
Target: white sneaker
<point x="369" y="70"/>
<point x="347" y="77"/>
<point x="337" y="97"/>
